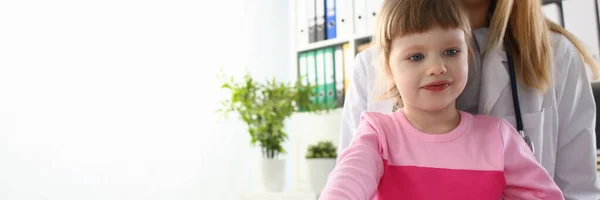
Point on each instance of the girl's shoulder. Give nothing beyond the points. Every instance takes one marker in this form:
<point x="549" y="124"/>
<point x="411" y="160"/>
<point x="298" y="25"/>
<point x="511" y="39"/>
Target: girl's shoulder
<point x="377" y="118"/>
<point x="382" y="122"/>
<point x="486" y="122"/>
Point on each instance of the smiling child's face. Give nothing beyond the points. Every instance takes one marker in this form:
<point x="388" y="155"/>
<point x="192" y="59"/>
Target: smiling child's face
<point x="430" y="68"/>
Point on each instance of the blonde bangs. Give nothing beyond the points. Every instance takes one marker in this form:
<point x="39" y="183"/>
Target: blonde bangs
<point x="410" y="16"/>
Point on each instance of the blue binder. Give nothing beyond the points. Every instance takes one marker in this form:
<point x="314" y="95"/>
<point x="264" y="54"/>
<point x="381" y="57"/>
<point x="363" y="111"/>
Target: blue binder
<point x="330" y="10"/>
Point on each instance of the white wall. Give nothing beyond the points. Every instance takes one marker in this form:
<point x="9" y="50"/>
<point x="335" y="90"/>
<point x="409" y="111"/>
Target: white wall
<point x="580" y="19"/>
<point x="115" y="99"/>
<point x="552" y="11"/>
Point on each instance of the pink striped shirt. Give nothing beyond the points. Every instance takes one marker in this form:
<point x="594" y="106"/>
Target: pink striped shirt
<point x="483" y="158"/>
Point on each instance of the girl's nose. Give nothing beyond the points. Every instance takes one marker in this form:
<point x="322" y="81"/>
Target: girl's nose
<point x="437" y="68"/>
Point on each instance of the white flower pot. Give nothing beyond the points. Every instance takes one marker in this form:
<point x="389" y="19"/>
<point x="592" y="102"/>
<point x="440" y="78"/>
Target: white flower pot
<point x="318" y="172"/>
<point x="272" y="174"/>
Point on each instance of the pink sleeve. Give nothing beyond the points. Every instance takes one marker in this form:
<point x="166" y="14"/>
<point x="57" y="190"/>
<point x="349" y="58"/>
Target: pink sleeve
<point x="525" y="177"/>
<point x="359" y="168"/>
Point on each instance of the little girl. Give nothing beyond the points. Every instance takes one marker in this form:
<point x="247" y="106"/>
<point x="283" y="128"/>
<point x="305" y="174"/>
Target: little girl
<point x="428" y="149"/>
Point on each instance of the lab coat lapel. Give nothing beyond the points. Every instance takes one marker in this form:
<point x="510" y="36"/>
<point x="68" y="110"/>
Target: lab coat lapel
<point x="494" y="79"/>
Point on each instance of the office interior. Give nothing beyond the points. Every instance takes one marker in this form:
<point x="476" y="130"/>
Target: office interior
<point x="119" y="100"/>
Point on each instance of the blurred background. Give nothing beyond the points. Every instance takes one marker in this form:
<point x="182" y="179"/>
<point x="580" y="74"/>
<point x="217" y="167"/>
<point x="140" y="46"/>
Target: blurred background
<point x="118" y="100"/>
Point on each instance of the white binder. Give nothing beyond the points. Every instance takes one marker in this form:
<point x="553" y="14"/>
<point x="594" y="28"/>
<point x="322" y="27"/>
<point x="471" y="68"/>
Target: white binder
<point x="360" y="20"/>
<point x="343" y="18"/>
<point x="301" y="22"/>
<point x="373" y="7"/>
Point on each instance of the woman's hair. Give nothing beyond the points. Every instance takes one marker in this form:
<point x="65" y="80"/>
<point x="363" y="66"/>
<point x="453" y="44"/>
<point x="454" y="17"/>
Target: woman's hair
<point x="530" y="41"/>
<point x="403" y="17"/>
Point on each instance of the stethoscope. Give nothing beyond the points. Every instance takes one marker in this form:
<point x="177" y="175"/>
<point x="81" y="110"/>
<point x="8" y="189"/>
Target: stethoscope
<point x="515" y="97"/>
<point x="513" y="85"/>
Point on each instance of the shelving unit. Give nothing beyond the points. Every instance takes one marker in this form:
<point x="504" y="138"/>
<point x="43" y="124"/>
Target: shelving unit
<point x="309" y="128"/>
<point x="358" y="39"/>
<point x="352" y="39"/>
<point x="322" y="44"/>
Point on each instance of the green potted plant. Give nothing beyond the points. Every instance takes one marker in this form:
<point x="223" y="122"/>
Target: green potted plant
<point x="321" y="159"/>
<point x="264" y="107"/>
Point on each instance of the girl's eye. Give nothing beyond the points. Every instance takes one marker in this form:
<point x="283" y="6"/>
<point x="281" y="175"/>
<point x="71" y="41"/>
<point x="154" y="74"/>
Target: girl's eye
<point x="451" y="52"/>
<point x="416" y="57"/>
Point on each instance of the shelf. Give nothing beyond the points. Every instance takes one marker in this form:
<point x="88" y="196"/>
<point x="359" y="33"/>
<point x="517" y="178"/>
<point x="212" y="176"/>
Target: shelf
<point x="363" y="37"/>
<point x="332" y="42"/>
<point x="322" y="44"/>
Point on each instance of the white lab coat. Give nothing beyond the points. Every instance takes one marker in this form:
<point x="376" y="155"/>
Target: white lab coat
<point x="560" y="122"/>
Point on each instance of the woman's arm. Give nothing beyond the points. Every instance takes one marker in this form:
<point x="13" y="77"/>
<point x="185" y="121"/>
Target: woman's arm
<point x="525" y="177"/>
<point x="359" y="168"/>
<point x="355" y="102"/>
<point x="575" y="170"/>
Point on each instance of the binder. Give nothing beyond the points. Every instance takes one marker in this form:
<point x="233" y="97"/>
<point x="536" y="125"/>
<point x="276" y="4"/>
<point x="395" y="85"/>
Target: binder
<point x="312" y="20"/>
<point x="330" y="85"/>
<point x="303" y="72"/>
<point x="320" y="72"/>
<point x="320" y="17"/>
<point x="303" y="68"/>
<point x="301" y="23"/>
<point x="360" y="20"/>
<point x="312" y="73"/>
<point x="343" y="17"/>
<point x="348" y="63"/>
<point x="373" y="7"/>
<point x="330" y="19"/>
<point x="339" y="76"/>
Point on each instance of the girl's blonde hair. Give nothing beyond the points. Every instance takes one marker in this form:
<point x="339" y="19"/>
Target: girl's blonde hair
<point x="403" y="17"/>
<point x="530" y="41"/>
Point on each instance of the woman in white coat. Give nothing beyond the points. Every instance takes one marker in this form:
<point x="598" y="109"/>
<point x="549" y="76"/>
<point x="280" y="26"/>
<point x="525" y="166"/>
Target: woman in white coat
<point x="554" y="91"/>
